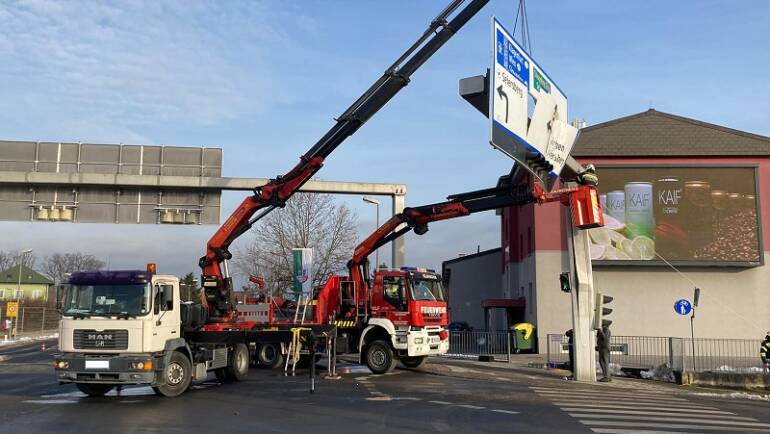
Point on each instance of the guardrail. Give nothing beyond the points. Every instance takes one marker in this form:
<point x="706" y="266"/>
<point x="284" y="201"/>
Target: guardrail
<point x="643" y="352"/>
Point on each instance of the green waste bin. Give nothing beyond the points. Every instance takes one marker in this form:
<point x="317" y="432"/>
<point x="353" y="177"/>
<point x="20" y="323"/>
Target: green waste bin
<point x="523" y="337"/>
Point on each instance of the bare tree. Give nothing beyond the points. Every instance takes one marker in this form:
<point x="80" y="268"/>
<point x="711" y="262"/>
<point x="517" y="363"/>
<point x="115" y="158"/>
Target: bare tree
<point x="308" y="220"/>
<point x="11" y="259"/>
<point x="58" y="265"/>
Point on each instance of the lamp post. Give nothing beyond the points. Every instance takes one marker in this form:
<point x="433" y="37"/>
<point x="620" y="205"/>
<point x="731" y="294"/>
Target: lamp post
<point x="376" y="203"/>
<point x="18" y="288"/>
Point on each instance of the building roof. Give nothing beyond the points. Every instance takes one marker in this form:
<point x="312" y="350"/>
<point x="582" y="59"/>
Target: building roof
<point x="471" y="256"/>
<point x="28" y="276"/>
<point x="654" y="133"/>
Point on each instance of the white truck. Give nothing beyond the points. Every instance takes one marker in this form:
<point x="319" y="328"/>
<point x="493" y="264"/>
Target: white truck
<point x="129" y="327"/>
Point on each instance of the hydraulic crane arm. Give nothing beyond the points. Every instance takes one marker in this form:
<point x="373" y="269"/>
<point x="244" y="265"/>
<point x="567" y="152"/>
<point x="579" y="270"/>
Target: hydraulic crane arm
<point x="514" y="189"/>
<point x="505" y="194"/>
<point x="217" y="283"/>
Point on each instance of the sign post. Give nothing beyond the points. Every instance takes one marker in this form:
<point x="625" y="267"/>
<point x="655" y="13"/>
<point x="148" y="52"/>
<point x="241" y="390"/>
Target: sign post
<point x="515" y="79"/>
<point x="684" y="307"/>
<point x="12" y="312"/>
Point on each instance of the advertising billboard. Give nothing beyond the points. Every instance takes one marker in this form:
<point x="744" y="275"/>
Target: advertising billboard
<point x="680" y="214"/>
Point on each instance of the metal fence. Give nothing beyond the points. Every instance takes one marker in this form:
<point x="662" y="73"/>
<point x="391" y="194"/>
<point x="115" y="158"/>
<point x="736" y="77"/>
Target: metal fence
<point x="642" y="352"/>
<point x="472" y="344"/>
<point x="31" y="321"/>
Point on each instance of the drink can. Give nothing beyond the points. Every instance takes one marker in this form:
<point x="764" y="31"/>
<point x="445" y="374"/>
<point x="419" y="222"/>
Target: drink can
<point x="640" y="220"/>
<point x="670" y="237"/>
<point x="616" y="205"/>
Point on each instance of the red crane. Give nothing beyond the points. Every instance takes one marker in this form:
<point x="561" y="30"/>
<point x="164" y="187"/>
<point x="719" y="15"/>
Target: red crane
<point x="217" y="292"/>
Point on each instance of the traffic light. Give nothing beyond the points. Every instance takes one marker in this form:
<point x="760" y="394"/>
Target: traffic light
<point x="564" y="284"/>
<point x="600" y="312"/>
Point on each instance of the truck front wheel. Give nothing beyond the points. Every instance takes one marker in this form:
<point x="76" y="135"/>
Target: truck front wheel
<point x="379" y="357"/>
<point x="412" y="362"/>
<point x="94" y="390"/>
<point x="176" y="376"/>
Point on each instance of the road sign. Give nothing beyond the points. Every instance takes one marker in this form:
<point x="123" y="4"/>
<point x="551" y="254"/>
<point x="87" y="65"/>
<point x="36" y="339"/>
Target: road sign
<point x="12" y="309"/>
<point x="515" y="78"/>
<point x="682" y="307"/>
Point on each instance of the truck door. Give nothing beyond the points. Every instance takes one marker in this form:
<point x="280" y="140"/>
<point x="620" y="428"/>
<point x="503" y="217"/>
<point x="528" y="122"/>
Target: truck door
<point x="166" y="317"/>
<point x="395" y="303"/>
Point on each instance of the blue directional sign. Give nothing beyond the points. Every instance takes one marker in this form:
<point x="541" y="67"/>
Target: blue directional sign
<point x="682" y="307"/>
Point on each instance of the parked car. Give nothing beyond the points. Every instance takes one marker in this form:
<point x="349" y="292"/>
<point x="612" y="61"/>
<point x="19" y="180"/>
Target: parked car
<point x="459" y="326"/>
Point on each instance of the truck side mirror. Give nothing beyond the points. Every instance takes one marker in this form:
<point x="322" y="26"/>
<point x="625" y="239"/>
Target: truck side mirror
<point x="167" y="297"/>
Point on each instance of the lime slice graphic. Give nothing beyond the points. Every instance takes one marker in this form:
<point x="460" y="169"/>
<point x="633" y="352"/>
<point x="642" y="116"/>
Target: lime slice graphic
<point x="599" y="236"/>
<point x="614" y="254"/>
<point x="643" y="248"/>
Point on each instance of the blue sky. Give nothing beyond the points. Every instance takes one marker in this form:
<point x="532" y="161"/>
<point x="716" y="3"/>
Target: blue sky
<point x="263" y="80"/>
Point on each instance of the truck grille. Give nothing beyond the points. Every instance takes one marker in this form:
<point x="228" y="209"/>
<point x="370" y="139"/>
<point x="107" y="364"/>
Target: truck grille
<point x="100" y="340"/>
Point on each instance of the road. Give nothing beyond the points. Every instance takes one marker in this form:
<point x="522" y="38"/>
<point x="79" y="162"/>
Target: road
<point x="408" y="401"/>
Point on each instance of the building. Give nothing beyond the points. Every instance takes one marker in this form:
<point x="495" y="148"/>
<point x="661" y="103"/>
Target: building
<point x="34" y="286"/>
<point x="691" y="191"/>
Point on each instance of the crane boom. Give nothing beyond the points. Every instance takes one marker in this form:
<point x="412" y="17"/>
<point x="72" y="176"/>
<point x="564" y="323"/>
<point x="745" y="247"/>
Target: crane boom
<point x="217" y="292"/>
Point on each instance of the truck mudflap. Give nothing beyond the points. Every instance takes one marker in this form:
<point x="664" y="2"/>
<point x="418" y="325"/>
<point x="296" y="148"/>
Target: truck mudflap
<point x="107" y="369"/>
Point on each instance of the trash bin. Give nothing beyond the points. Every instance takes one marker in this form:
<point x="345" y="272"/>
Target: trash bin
<point x="523" y="337"/>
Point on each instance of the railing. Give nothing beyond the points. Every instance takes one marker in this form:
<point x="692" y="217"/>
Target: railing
<point x="642" y="352"/>
<point x="472" y="344"/>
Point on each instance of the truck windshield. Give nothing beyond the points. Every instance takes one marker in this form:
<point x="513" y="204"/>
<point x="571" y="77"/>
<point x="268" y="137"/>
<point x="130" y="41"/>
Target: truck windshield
<point x="107" y="300"/>
<point x="427" y="288"/>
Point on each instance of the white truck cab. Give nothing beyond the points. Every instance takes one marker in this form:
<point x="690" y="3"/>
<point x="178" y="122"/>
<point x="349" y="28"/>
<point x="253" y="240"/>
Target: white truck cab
<point x="127" y="327"/>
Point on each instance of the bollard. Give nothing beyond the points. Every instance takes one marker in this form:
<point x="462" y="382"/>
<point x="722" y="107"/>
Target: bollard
<point x="312" y="362"/>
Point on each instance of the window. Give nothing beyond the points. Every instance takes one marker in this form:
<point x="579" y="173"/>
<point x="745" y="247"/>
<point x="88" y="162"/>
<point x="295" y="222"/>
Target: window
<point x="36" y="294"/>
<point x="2" y="294"/>
<point x="394" y="292"/>
<point x="19" y="294"/>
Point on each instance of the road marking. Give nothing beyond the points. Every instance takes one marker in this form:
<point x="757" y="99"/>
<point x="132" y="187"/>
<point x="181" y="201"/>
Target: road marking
<point x="610" y="395"/>
<point x="440" y="402"/>
<point x="634" y="431"/>
<point x="505" y="411"/>
<point x="655" y="413"/>
<point x="592" y="388"/>
<point x="406" y="398"/>
<point x="571" y="400"/>
<point x="50" y="401"/>
<point x="473" y="407"/>
<point x="643" y="407"/>
<point x="669" y="426"/>
<point x="691" y="422"/>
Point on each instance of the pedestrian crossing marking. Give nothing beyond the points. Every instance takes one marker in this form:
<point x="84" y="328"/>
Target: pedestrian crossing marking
<point x="618" y="412"/>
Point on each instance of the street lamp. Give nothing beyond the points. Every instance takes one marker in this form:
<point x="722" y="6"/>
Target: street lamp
<point x="21" y="260"/>
<point x="376" y="203"/>
<point x="18" y="290"/>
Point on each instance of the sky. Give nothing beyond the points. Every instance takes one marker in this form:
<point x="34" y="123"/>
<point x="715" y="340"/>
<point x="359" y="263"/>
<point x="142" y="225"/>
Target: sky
<point x="263" y="80"/>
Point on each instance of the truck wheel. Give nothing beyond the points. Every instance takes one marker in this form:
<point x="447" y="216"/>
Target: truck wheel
<point x="94" y="390"/>
<point x="412" y="362"/>
<point x="269" y="356"/>
<point x="379" y="357"/>
<point x="176" y="376"/>
<point x="238" y="369"/>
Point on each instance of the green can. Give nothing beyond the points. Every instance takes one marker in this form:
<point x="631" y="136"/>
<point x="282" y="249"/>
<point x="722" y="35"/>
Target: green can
<point x="640" y="216"/>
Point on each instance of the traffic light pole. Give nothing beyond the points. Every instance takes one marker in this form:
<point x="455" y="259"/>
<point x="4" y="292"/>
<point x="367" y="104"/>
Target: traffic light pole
<point x="582" y="295"/>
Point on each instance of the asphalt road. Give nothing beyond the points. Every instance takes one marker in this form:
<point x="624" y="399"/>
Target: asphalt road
<point x="409" y="401"/>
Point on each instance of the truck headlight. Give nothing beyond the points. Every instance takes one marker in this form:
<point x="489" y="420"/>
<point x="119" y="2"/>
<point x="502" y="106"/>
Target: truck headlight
<point x="61" y="364"/>
<point x="145" y="365"/>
